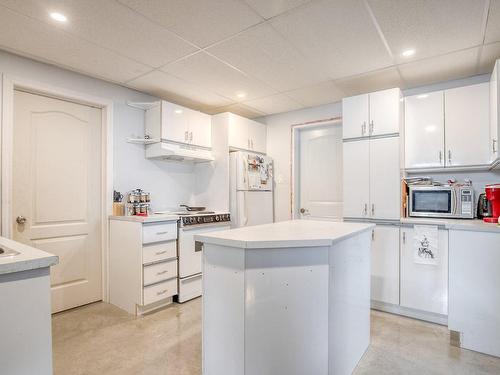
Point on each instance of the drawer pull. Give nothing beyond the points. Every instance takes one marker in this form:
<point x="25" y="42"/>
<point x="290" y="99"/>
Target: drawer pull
<point x="161" y="292"/>
<point x="160" y="233"/>
<point x="161" y="273"/>
<point x="161" y="252"/>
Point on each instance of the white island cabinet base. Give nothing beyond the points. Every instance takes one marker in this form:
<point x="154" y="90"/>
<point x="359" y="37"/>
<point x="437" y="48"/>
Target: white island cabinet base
<point x="291" y="307"/>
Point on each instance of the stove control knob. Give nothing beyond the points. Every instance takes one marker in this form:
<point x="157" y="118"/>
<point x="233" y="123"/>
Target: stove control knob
<point x="200" y="219"/>
<point x="192" y="220"/>
<point x="185" y="220"/>
<point x="217" y="218"/>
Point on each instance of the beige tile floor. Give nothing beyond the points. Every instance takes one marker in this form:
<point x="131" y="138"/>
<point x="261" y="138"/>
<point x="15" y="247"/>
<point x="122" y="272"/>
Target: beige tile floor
<point x="102" y="339"/>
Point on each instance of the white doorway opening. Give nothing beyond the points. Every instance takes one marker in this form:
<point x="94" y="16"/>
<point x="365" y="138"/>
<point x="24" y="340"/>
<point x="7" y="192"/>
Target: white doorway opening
<point x="317" y="171"/>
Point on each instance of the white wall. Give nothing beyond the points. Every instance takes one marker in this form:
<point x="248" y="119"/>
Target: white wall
<point x="279" y="143"/>
<point x="170" y="183"/>
<point x="279" y="139"/>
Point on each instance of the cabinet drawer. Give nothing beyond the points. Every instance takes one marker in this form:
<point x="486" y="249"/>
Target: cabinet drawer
<point x="159" y="232"/>
<point x="160" y="271"/>
<point x="159" y="291"/>
<point x="159" y="251"/>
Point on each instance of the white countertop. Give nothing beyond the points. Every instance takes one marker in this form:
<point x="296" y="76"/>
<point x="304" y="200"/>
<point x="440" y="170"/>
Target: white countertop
<point x="147" y="219"/>
<point x="293" y="233"/>
<point x="28" y="258"/>
<point x="454" y="224"/>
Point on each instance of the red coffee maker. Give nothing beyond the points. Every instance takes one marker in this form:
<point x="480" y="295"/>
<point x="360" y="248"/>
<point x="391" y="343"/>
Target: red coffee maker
<point x="493" y="196"/>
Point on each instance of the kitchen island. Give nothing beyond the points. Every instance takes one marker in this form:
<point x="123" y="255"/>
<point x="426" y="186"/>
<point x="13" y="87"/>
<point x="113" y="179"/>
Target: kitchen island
<point x="286" y="298"/>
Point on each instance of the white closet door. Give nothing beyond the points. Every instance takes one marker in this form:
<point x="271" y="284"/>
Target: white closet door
<point x="385" y="182"/>
<point x="424" y="130"/>
<point x="356" y="178"/>
<point x="467" y="125"/>
<point x="385" y="112"/>
<point x="355" y="116"/>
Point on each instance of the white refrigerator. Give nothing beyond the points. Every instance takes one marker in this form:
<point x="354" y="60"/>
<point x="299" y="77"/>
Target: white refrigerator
<point x="251" y="189"/>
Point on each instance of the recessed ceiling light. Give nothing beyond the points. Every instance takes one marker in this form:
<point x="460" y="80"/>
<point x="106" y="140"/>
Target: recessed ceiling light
<point x="178" y="111"/>
<point x="408" y="52"/>
<point x="422" y="96"/>
<point x="59" y="17"/>
<point x="241" y="95"/>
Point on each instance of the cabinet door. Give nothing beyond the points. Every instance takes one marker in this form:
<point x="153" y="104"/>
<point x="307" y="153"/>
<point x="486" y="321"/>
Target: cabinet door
<point x="385" y="182"/>
<point x="174" y="122"/>
<point x="424" y="130"/>
<point x="467" y="125"/>
<point x="356" y="178"/>
<point x="385" y="112"/>
<point x="238" y="132"/>
<point x="385" y="264"/>
<point x="423" y="286"/>
<point x="257" y="133"/>
<point x="494" y="114"/>
<point x="355" y="116"/>
<point x="200" y="129"/>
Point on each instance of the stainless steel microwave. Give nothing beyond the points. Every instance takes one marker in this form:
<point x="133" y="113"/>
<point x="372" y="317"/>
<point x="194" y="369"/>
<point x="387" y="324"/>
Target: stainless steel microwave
<point x="441" y="201"/>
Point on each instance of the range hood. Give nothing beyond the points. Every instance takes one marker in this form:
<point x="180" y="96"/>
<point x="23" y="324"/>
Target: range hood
<point x="165" y="150"/>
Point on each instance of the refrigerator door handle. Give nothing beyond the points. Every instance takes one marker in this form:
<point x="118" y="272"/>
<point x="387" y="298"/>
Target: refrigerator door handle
<point x="244" y="218"/>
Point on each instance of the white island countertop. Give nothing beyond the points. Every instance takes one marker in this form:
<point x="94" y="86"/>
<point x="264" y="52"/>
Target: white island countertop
<point x="27" y="257"/>
<point x="293" y="233"/>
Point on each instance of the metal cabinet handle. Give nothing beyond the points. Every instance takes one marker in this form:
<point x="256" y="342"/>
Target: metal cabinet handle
<point x="363" y="128"/>
<point x="440" y="157"/>
<point x="186" y="135"/>
<point x="161" y="252"/>
<point x="373" y="209"/>
<point x="21" y="220"/>
<point x="404" y="237"/>
<point x="449" y="157"/>
<point x="160" y="233"/>
<point x="366" y="209"/>
<point x="494" y="142"/>
<point x="191" y="136"/>
<point x="248" y="143"/>
<point x="251" y="141"/>
<point x="373" y="234"/>
<point x="161" y="292"/>
<point x="161" y="273"/>
<point x="371" y="127"/>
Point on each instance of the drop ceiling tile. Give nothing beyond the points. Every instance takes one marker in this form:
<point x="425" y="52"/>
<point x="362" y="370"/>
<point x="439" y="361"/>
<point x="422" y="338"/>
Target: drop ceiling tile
<point x="493" y="25"/>
<point x="454" y="65"/>
<point x="271" y="8"/>
<point x="430" y="27"/>
<point x="199" y="21"/>
<point x="489" y="54"/>
<point x="32" y="38"/>
<point x="373" y="81"/>
<point x="216" y="76"/>
<point x="274" y="104"/>
<point x="339" y="35"/>
<point x="264" y="54"/>
<point x="111" y="25"/>
<point x="318" y="94"/>
<point x="168" y="87"/>
<point x="239" y="109"/>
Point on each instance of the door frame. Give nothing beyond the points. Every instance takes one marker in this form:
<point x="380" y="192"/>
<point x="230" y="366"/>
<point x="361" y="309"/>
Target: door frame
<point x="295" y="163"/>
<point x="8" y="85"/>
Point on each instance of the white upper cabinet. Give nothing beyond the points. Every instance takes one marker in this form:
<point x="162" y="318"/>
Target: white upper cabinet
<point x="246" y="134"/>
<point x="174" y="123"/>
<point x="356" y="178"/>
<point x="355" y="116"/>
<point x="385" y="182"/>
<point x="385" y="112"/>
<point x="467" y="125"/>
<point x="494" y="109"/>
<point x="374" y="114"/>
<point x="424" y="130"/>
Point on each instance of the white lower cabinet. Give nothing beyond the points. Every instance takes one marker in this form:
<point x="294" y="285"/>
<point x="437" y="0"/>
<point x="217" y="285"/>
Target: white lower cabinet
<point x="385" y="264"/>
<point x="475" y="290"/>
<point x="424" y="287"/>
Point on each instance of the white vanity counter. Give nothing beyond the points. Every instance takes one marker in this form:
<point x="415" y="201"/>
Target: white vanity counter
<point x="24" y="257"/>
<point x="286" y="298"/>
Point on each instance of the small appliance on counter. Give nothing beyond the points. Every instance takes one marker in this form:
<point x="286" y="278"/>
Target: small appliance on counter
<point x="138" y="203"/>
<point x="483" y="207"/>
<point x="492" y="193"/>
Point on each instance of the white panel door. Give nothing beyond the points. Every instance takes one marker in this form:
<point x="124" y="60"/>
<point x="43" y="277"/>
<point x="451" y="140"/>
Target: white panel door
<point x="57" y="187"/>
<point x="200" y="129"/>
<point x="385" y="264"/>
<point x="494" y="107"/>
<point x="320" y="172"/>
<point x="238" y="132"/>
<point x="467" y="125"/>
<point x="385" y="182"/>
<point x="174" y="122"/>
<point x="257" y="133"/>
<point x="424" y="130"/>
<point x="424" y="287"/>
<point x="355" y="116"/>
<point x="385" y="112"/>
<point x="356" y="178"/>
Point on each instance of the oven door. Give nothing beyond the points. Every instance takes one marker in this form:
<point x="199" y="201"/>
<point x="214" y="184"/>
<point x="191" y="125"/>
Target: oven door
<point x="190" y="252"/>
<point x="432" y="202"/>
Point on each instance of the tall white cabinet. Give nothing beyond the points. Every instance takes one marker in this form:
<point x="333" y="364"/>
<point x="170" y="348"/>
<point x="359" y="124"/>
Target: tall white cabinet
<point x="449" y="128"/>
<point x="372" y="114"/>
<point x="494" y="115"/>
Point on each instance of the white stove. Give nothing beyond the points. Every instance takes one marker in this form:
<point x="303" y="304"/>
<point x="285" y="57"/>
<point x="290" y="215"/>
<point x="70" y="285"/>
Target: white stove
<point x="189" y="251"/>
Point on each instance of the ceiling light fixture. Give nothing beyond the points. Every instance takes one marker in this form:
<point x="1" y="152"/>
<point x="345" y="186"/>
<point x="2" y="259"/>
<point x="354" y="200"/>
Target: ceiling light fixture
<point x="59" y="17"/>
<point x="408" y="52"/>
<point x="241" y="95"/>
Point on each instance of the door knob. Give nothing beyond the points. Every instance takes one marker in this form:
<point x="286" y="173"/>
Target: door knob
<point x="303" y="210"/>
<point x="21" y="220"/>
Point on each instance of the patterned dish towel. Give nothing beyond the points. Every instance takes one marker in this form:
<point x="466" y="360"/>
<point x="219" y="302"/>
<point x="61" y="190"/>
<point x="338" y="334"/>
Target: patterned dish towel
<point x="425" y="244"/>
